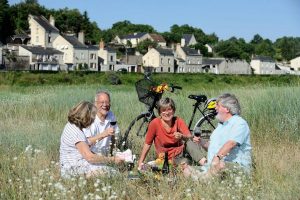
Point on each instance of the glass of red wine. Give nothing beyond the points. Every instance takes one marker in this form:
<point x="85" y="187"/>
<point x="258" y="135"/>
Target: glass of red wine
<point x="197" y="132"/>
<point x="112" y="123"/>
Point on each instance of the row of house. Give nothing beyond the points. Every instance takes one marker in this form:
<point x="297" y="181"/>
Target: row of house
<point x="45" y="48"/>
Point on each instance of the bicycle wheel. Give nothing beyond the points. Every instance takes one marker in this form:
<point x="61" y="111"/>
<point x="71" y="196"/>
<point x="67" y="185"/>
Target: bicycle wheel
<point x="138" y="127"/>
<point x="206" y="125"/>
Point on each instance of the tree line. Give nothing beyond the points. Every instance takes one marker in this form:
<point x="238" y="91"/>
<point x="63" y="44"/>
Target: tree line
<point x="14" y="20"/>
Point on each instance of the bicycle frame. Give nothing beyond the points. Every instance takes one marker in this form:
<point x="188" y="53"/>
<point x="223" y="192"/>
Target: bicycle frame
<point x="203" y="112"/>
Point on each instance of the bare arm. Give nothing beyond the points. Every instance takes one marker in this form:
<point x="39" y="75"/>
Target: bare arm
<point x="198" y="140"/>
<point x="144" y="153"/>
<point x="84" y="150"/>
<point x="217" y="164"/>
<point x="93" y="140"/>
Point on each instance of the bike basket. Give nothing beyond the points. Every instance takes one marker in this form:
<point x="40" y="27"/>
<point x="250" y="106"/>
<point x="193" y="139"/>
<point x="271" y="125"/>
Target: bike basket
<point x="144" y="89"/>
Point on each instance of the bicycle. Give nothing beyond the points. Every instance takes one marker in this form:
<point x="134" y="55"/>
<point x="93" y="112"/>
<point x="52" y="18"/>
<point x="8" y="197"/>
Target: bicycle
<point x="207" y="122"/>
<point x="150" y="93"/>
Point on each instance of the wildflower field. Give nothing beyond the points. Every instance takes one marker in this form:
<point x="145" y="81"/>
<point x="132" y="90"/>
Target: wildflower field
<point x="32" y="119"/>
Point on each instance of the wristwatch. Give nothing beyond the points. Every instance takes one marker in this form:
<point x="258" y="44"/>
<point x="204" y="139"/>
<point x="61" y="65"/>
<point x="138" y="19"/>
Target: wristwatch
<point x="219" y="156"/>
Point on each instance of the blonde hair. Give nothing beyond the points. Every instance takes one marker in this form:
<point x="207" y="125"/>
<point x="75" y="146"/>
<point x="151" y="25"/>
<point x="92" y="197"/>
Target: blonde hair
<point x="83" y="114"/>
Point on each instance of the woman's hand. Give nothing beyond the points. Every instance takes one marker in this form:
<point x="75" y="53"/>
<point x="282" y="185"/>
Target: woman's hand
<point x="178" y="135"/>
<point x="118" y="160"/>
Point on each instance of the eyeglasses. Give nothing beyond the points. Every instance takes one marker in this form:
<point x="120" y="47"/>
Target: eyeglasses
<point x="103" y="103"/>
<point x="168" y="110"/>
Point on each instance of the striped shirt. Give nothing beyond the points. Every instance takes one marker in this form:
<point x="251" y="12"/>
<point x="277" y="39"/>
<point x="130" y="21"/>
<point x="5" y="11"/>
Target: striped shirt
<point x="69" y="154"/>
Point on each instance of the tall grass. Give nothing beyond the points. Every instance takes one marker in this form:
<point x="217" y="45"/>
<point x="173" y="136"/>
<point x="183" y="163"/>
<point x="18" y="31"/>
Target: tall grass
<point x="32" y="119"/>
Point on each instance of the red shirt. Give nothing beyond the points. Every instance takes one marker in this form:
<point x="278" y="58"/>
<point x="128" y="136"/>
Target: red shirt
<point x="165" y="141"/>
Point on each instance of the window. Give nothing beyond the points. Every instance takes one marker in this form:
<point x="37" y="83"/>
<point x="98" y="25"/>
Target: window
<point x="169" y="60"/>
<point x="161" y="69"/>
<point x="92" y="56"/>
<point x="111" y="58"/>
<point x="161" y="60"/>
<point x="169" y="69"/>
<point x="49" y="37"/>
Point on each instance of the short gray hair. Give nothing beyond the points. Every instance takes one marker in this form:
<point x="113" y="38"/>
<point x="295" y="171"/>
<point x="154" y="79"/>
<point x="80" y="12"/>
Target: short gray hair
<point x="99" y="92"/>
<point x="230" y="102"/>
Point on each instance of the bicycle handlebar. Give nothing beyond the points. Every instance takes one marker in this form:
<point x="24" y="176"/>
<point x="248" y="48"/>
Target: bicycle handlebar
<point x="173" y="87"/>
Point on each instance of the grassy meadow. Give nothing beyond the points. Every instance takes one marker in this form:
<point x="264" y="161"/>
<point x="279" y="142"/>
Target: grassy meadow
<point x="33" y="117"/>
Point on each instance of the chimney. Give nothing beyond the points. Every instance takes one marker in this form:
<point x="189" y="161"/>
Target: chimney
<point x="52" y="20"/>
<point x="150" y="47"/>
<point x="183" y="42"/>
<point x="101" y="44"/>
<point x="81" y="37"/>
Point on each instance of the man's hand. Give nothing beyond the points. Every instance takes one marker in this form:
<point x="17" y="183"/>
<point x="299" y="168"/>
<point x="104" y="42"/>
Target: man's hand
<point x="216" y="165"/>
<point x="196" y="139"/>
<point x="109" y="131"/>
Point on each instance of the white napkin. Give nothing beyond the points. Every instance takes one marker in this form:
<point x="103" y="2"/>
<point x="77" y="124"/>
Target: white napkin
<point x="126" y="155"/>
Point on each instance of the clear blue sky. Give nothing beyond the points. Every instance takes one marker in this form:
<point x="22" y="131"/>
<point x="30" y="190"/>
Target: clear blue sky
<point x="271" y="19"/>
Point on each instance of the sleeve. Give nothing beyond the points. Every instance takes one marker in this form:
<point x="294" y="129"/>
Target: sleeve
<point x="88" y="131"/>
<point x="182" y="127"/>
<point x="74" y="135"/>
<point x="240" y="131"/>
<point x="151" y="132"/>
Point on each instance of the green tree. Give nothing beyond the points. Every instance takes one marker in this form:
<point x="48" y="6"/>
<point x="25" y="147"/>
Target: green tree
<point x="287" y="47"/>
<point x="257" y="39"/>
<point x="4" y="20"/>
<point x="265" y="48"/>
<point x="19" y="14"/>
<point x="126" y="27"/>
<point x="235" y="48"/>
<point x="143" y="46"/>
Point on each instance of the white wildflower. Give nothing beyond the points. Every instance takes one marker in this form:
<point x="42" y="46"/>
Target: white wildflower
<point x="97" y="197"/>
<point x="28" y="148"/>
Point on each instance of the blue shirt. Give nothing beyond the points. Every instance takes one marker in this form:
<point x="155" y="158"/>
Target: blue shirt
<point x="235" y="129"/>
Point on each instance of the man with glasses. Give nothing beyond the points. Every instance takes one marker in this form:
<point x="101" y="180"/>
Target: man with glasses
<point x="100" y="133"/>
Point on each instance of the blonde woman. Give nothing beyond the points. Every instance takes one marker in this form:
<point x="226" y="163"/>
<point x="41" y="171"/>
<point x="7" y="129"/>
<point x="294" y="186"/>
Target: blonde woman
<point x="76" y="158"/>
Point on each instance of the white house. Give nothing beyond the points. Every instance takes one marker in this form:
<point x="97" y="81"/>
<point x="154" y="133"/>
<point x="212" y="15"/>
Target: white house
<point x="42" y="31"/>
<point x="192" y="60"/>
<point x="42" y="58"/>
<point x="133" y="39"/>
<point x="295" y="63"/>
<point x="160" y="59"/>
<point x="264" y="65"/>
<point x="107" y="58"/>
<point x="225" y="66"/>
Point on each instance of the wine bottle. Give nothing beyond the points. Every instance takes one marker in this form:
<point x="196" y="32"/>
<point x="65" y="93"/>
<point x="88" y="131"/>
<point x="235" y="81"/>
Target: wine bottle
<point x="165" y="169"/>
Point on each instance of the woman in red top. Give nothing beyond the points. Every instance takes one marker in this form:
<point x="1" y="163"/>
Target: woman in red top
<point x="167" y="131"/>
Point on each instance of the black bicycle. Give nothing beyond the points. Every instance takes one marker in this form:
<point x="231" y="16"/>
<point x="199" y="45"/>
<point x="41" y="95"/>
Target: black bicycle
<point x="207" y="118"/>
<point x="150" y="93"/>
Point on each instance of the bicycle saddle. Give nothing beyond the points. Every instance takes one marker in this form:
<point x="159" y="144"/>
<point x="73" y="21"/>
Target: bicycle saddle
<point x="198" y="98"/>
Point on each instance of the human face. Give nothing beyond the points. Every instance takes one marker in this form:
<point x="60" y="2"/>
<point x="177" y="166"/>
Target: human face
<point x="223" y="112"/>
<point x="167" y="113"/>
<point x="103" y="105"/>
